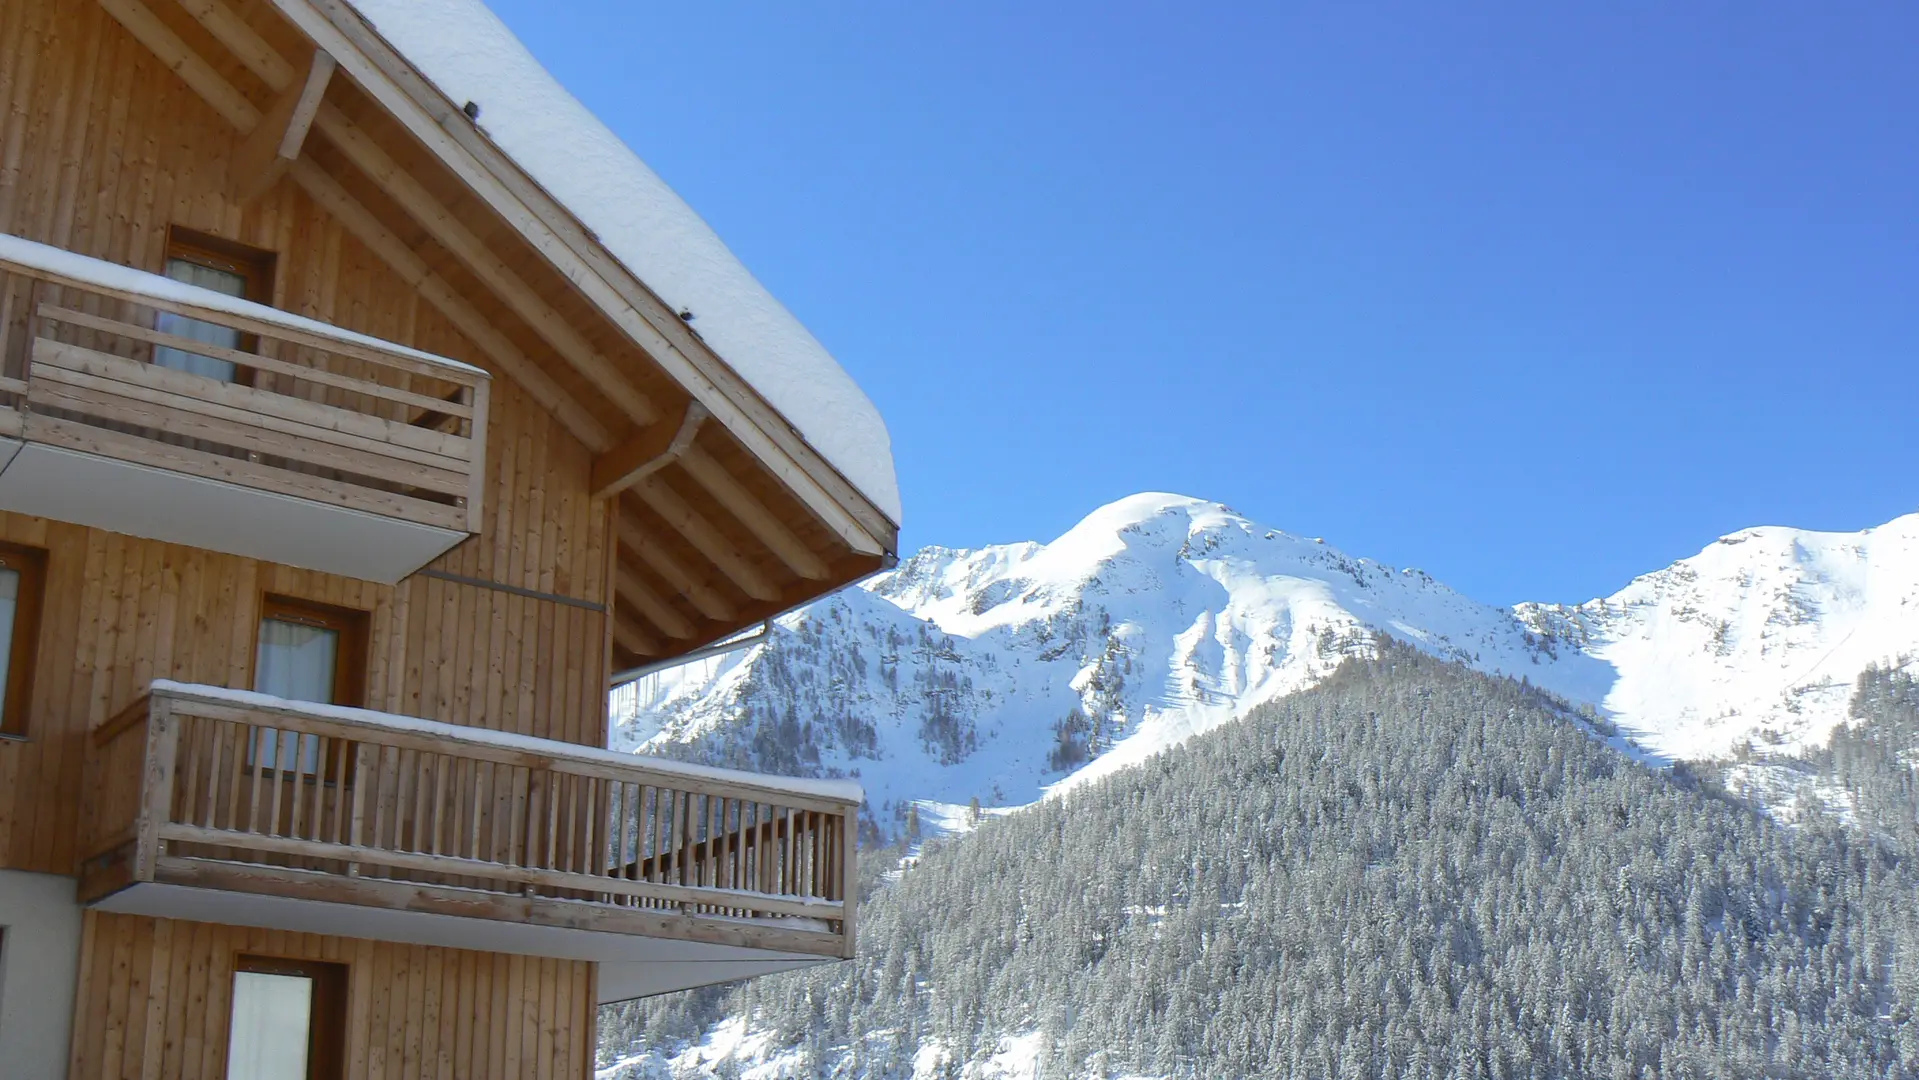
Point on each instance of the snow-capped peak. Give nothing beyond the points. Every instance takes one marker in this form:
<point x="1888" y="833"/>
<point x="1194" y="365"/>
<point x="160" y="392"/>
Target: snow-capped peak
<point x="1001" y="672"/>
<point x="1758" y="638"/>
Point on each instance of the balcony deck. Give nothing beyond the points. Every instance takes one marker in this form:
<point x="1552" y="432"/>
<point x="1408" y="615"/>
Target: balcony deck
<point x="232" y="807"/>
<point x="329" y="450"/>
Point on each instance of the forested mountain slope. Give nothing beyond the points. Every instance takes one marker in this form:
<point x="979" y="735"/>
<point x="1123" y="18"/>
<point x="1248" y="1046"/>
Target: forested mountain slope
<point x="1410" y="870"/>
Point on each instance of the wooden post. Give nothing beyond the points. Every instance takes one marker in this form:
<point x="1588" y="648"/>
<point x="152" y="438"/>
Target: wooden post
<point x="478" y="398"/>
<point x="156" y="791"/>
<point x="357" y="825"/>
<point x="849" y="878"/>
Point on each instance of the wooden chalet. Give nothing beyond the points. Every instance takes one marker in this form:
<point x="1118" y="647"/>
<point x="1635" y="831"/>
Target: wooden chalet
<point x="365" y="409"/>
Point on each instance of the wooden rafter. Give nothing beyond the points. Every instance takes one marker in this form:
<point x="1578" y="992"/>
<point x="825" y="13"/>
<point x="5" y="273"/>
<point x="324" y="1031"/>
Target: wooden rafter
<point x="633" y="639"/>
<point x="552" y="229"/>
<point x="437" y="291"/>
<point x="709" y="600"/>
<point x="655" y="447"/>
<point x="426" y="210"/>
<point x="232" y="105"/>
<point x="650" y="604"/>
<point x="712" y="544"/>
<point x="275" y="142"/>
<point x="752" y="513"/>
<point x="448" y="231"/>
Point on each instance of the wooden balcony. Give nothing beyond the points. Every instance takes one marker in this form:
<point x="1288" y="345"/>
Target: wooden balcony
<point x="228" y="807"/>
<point x="323" y="449"/>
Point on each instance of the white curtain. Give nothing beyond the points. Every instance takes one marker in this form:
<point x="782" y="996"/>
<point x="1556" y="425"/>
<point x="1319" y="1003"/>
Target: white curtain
<point x="206" y="277"/>
<point x="9" y="610"/>
<point x="272" y="1016"/>
<point x="296" y="662"/>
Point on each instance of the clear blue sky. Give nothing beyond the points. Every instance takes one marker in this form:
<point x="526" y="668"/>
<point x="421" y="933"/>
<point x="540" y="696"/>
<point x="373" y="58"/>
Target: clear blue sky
<point x="1534" y="296"/>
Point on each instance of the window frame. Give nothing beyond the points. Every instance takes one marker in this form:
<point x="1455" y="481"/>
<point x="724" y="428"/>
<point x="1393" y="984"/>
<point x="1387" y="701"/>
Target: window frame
<point x="349" y="678"/>
<point x="326" y="1017"/>
<point x="17" y="704"/>
<point x="256" y="265"/>
<point x="349" y="660"/>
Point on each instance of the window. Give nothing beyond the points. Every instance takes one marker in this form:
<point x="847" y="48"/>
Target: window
<point x="22" y="576"/>
<point x="288" y="1020"/>
<point x="307" y="652"/>
<point x="224" y="267"/>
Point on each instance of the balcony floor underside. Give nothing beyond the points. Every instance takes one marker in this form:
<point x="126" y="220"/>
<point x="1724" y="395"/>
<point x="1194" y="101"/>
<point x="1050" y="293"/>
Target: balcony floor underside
<point x="160" y="504"/>
<point x="641" y="952"/>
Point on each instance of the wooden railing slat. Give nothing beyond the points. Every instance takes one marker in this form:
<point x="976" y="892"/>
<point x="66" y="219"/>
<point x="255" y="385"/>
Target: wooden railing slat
<point x="559" y="758"/>
<point x="105" y="442"/>
<point x="361" y="424"/>
<point x="767" y="903"/>
<point x="135" y="403"/>
<point x="319" y="376"/>
<point x="343" y="802"/>
<point x="257" y="327"/>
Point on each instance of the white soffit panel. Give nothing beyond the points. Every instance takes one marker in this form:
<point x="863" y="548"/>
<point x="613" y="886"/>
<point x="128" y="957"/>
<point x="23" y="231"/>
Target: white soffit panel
<point x="624" y="980"/>
<point x="655" y="965"/>
<point x="161" y="505"/>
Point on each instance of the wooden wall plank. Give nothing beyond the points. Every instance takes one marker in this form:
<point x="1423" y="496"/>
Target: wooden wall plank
<point x="101" y="148"/>
<point x="158" y="1011"/>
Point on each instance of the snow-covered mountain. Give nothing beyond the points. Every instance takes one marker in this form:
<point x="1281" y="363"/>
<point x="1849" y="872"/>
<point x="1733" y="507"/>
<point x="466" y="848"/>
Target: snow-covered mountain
<point x="1760" y="637"/>
<point x="994" y="673"/>
<point x="998" y="673"/>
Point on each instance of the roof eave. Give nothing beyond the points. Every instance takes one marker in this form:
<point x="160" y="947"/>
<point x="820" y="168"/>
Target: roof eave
<point x="386" y="75"/>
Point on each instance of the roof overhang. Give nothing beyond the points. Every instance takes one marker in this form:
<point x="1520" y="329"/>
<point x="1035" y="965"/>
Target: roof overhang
<point x="441" y="125"/>
<point x="722" y="510"/>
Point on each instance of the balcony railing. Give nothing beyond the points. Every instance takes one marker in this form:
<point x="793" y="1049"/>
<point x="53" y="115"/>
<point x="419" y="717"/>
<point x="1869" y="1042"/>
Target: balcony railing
<point x="117" y="364"/>
<point x="217" y="790"/>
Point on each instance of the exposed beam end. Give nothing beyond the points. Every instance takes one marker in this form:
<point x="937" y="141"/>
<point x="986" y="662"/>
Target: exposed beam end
<point x="645" y="454"/>
<point x="276" y="141"/>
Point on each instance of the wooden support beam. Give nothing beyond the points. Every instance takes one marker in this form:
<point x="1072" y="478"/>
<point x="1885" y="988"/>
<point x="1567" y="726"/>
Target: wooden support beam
<point x="230" y="30"/>
<point x="424" y="110"/>
<point x="163" y="43"/>
<point x="649" y="603"/>
<point x="710" y="601"/>
<point x="639" y="457"/>
<point x="275" y="142"/>
<point x="451" y="233"/>
<point x="709" y="541"/>
<point x="632" y="639"/>
<point x="231" y="104"/>
<point x="439" y="222"/>
<point x="753" y="513"/>
<point x="435" y="290"/>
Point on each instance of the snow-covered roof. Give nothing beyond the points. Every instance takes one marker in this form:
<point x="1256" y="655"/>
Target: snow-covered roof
<point x="464" y="50"/>
<point x="106" y="275"/>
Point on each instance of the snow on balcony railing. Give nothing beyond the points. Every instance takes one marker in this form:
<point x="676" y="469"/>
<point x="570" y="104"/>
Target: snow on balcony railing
<point x="224" y="789"/>
<point x="119" y="363"/>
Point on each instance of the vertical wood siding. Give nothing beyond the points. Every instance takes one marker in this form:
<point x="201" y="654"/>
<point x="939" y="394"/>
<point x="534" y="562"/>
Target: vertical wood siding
<point x="100" y="149"/>
<point x="154" y="998"/>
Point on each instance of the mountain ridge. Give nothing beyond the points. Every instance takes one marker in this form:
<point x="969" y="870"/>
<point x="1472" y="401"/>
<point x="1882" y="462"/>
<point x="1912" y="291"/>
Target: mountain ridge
<point x="1003" y="672"/>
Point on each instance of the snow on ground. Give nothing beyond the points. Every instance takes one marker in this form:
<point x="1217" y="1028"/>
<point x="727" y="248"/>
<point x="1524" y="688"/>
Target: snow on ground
<point x="1789" y="790"/>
